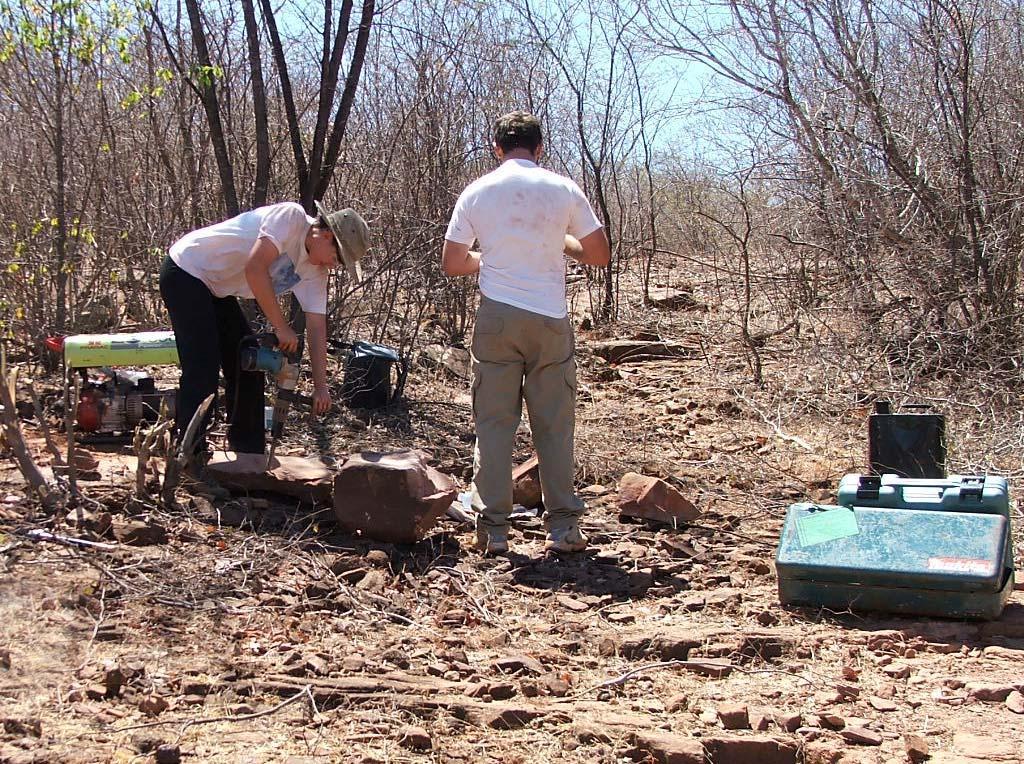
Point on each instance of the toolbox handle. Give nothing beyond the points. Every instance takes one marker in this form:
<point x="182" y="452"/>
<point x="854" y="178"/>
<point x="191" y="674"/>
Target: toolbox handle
<point x="868" y="486"/>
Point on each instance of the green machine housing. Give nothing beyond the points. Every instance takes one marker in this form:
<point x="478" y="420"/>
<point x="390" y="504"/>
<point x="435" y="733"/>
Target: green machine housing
<point x="138" y="349"/>
<point x="948" y="559"/>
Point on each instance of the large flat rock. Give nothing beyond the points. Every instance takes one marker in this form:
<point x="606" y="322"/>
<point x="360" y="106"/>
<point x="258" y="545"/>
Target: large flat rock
<point x="305" y="479"/>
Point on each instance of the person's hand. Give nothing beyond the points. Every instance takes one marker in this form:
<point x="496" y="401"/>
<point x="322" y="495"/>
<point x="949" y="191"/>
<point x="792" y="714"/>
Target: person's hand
<point x="321" y="400"/>
<point x="287" y="340"/>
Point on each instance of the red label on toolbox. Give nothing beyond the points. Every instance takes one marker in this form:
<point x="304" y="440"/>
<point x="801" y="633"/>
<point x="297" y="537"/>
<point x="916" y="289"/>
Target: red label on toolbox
<point x="961" y="565"/>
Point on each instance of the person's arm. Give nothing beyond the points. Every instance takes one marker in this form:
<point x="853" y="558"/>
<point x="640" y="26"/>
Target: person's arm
<point x="257" y="275"/>
<point x="458" y="259"/>
<point x="316" y="333"/>
<point x="594" y="248"/>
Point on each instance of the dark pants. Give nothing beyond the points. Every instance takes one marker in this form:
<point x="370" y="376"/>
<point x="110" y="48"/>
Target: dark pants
<point x="207" y="330"/>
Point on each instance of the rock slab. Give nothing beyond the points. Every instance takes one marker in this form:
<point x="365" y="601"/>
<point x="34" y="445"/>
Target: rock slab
<point x="526" y="484"/>
<point x="394" y="497"/>
<point x="306" y="479"/>
<point x="650" y="498"/>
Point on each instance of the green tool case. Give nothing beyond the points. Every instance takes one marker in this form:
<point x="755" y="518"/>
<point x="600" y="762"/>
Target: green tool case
<point x="950" y="564"/>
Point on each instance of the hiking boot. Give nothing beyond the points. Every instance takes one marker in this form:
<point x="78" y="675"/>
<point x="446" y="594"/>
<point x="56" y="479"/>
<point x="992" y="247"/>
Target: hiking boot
<point x="568" y="539"/>
<point x="490" y="543"/>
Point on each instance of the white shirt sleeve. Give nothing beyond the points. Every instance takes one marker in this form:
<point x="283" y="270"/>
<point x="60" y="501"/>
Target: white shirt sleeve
<point x="460" y="229"/>
<point x="281" y="222"/>
<point x="312" y="294"/>
<point x="582" y="220"/>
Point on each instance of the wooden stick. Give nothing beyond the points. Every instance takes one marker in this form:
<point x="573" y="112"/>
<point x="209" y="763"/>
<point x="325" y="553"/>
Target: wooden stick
<point x="16" y="442"/>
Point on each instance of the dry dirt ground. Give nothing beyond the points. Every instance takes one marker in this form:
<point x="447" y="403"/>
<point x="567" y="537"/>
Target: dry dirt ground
<point x="254" y="632"/>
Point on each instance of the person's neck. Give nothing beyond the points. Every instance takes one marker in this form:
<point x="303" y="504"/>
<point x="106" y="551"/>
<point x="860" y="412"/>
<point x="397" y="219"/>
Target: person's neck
<point x="520" y="154"/>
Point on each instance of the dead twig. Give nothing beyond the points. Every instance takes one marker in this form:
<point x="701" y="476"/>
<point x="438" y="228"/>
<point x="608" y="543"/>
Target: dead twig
<point x="179" y="460"/>
<point x="144" y="443"/>
<point x="51" y="445"/>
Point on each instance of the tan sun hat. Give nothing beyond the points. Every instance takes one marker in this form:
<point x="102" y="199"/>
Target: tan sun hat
<point x="351" y="234"/>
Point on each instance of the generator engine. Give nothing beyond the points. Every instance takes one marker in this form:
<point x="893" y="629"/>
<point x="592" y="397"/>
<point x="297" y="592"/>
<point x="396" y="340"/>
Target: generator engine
<point x="120" y="401"/>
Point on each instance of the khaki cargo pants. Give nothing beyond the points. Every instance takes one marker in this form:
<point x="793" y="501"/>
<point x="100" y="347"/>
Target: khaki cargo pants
<point x="521" y="355"/>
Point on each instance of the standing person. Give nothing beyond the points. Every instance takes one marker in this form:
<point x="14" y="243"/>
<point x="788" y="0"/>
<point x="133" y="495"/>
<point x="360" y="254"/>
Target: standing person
<point x="523" y="342"/>
<point x="262" y="253"/>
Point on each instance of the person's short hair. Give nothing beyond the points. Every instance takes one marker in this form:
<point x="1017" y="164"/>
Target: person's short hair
<point x="518" y="130"/>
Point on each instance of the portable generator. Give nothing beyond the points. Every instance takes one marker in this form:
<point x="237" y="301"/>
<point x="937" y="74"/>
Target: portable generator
<point x="114" y="402"/>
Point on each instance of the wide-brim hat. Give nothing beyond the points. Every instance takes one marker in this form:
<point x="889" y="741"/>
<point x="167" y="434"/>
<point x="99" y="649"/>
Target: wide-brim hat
<point x="351" y="234"/>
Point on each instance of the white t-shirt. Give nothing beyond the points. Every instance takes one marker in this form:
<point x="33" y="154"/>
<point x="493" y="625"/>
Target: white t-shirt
<point x="216" y="255"/>
<point x="520" y="214"/>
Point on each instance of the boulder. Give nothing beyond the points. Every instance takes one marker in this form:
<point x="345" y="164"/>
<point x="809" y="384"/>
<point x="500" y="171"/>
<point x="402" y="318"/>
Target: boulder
<point x="394" y="497"/>
<point x="650" y="498"/>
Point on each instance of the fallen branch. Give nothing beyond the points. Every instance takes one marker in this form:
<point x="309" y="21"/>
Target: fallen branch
<point x="305" y="692"/>
<point x="38" y="534"/>
<point x="795" y="439"/>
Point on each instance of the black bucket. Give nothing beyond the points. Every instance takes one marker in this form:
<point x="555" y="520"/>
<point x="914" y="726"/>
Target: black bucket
<point x="908" y="444"/>
<point x="374" y="375"/>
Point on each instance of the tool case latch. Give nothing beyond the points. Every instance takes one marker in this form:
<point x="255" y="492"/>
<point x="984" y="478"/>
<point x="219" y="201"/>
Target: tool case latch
<point x="972" y="486"/>
<point x="868" y="486"/>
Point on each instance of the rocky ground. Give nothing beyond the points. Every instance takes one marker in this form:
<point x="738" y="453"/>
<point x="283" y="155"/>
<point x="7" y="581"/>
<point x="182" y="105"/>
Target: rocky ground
<point x="247" y="629"/>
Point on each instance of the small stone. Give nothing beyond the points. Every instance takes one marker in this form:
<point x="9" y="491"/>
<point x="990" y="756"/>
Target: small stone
<point x="557" y="686"/>
<point x="374" y="581"/>
<point x="759" y="721"/>
<point x="146" y="742"/>
<point x="897" y="670"/>
<point x="832" y="721"/>
<point x="881" y="704"/>
<point x="416" y="738"/>
<point x="677" y="702"/>
<point x="529" y="689"/>
<point x="194" y="686"/>
<point x="916" y="747"/>
<point x="353" y="664"/>
<point x="669" y="747"/>
<point x="1015" y="702"/>
<point x="501" y="690"/>
<point x="790" y="722"/>
<point x="734" y="716"/>
<point x="168" y="754"/>
<point x="153" y="705"/>
<point x="767" y="618"/>
<point x="476" y="690"/>
<point x="96" y="692"/>
<point x="887" y="691"/>
<point x="861" y="736"/>
<point x="573" y="604"/>
<point x="139" y="533"/>
<point x="516" y="664"/>
<point x="823" y="753"/>
<point x="986" y="691"/>
<point x="113" y="680"/>
<point x="378" y="558"/>
<point x="5" y="659"/>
